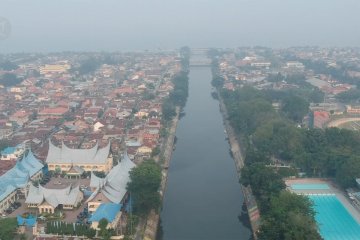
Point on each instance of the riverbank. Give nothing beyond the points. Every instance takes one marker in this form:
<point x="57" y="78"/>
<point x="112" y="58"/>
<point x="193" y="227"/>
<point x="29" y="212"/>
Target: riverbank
<point x="203" y="199"/>
<point x="153" y="219"/>
<point x="252" y="209"/>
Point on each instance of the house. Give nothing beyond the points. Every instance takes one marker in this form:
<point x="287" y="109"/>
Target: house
<point x="144" y="150"/>
<point x="295" y="65"/>
<point x="352" y="109"/>
<point x="12" y="153"/>
<point x="123" y="114"/>
<point x="54" y="68"/>
<point x="53" y="112"/>
<point x="97" y="126"/>
<point x="151" y="136"/>
<point x="20" y="117"/>
<point x="142" y="113"/>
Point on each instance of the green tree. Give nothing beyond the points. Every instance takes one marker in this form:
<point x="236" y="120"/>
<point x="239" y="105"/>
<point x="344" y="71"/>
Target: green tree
<point x="218" y="82"/>
<point x="89" y="65"/>
<point x="8" y="228"/>
<point x="290" y="217"/>
<point x="348" y="172"/>
<point x="104" y="232"/>
<point x="155" y="152"/>
<point x="168" y="111"/>
<point x="264" y="181"/>
<point x="349" y="96"/>
<point x="275" y="77"/>
<point x="295" y="107"/>
<point x="9" y="79"/>
<point x="144" y="185"/>
<point x="8" y="66"/>
<point x="279" y="138"/>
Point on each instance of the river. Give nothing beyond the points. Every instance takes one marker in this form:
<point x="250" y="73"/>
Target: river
<point x="203" y="198"/>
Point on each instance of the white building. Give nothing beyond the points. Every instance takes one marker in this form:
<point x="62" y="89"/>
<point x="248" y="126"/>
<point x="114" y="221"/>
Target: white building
<point x="47" y="200"/>
<point x="295" y="65"/>
<point x="92" y="159"/>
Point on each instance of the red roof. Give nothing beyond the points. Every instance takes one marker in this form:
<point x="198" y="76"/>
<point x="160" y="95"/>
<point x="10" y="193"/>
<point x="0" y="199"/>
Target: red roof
<point x="53" y="111"/>
<point x="321" y="114"/>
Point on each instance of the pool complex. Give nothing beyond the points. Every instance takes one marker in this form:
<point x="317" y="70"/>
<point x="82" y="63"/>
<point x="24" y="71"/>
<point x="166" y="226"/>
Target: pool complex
<point x="310" y="186"/>
<point x="334" y="221"/>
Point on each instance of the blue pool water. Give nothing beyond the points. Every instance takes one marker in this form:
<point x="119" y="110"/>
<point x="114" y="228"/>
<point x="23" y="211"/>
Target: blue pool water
<point x="334" y="221"/>
<point x="311" y="186"/>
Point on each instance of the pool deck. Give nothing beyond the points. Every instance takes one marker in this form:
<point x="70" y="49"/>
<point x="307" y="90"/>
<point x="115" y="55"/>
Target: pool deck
<point x="333" y="189"/>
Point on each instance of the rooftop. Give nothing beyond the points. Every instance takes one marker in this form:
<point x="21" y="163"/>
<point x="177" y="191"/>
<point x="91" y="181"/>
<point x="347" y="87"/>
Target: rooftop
<point x="107" y="211"/>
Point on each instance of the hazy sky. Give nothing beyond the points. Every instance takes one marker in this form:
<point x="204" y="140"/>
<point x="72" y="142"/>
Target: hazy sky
<point x="56" y="25"/>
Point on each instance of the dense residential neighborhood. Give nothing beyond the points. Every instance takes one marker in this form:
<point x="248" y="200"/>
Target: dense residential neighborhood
<point x="73" y="126"/>
<point x="326" y="77"/>
<point x="86" y="138"/>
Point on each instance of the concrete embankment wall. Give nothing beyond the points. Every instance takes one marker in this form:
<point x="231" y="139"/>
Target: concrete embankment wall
<point x="152" y="222"/>
<point x="249" y="199"/>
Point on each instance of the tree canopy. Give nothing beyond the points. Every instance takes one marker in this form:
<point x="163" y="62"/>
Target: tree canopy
<point x="295" y="107"/>
<point x="8" y="228"/>
<point x="290" y="217"/>
<point x="9" y="79"/>
<point x="352" y="95"/>
<point x="144" y="185"/>
<point x="8" y="65"/>
<point x="274" y="136"/>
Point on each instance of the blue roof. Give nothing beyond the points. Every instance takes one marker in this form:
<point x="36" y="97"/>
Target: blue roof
<point x="29" y="221"/>
<point x="19" y="175"/>
<point x="8" y="150"/>
<point x="107" y="211"/>
<point x="87" y="193"/>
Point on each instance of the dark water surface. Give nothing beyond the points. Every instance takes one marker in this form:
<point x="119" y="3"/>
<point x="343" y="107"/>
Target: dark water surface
<point x="203" y="198"/>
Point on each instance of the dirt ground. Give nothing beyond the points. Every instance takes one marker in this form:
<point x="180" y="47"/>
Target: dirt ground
<point x="59" y="182"/>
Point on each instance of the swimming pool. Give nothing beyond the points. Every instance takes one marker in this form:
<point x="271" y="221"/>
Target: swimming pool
<point x="334" y="221"/>
<point x="309" y="186"/>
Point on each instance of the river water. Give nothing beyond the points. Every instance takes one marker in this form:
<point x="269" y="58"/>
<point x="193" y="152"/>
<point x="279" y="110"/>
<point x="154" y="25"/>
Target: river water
<point x="203" y="198"/>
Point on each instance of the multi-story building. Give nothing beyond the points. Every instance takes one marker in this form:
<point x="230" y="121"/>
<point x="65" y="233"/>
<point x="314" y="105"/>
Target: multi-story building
<point x="54" y="68"/>
<point x="93" y="159"/>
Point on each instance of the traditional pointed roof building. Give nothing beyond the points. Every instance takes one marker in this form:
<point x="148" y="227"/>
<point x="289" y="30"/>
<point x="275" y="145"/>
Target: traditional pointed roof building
<point x="112" y="188"/>
<point x="47" y="200"/>
<point x="93" y="159"/>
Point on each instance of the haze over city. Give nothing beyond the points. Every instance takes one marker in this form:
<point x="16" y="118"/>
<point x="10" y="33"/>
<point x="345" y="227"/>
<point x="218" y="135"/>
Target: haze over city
<point x="180" y="119"/>
<point x="82" y="25"/>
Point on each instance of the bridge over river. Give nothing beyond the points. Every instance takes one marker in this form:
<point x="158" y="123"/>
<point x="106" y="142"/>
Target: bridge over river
<point x="199" y="57"/>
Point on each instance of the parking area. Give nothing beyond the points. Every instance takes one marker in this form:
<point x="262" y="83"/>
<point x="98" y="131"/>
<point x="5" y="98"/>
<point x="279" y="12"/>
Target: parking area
<point x="20" y="210"/>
